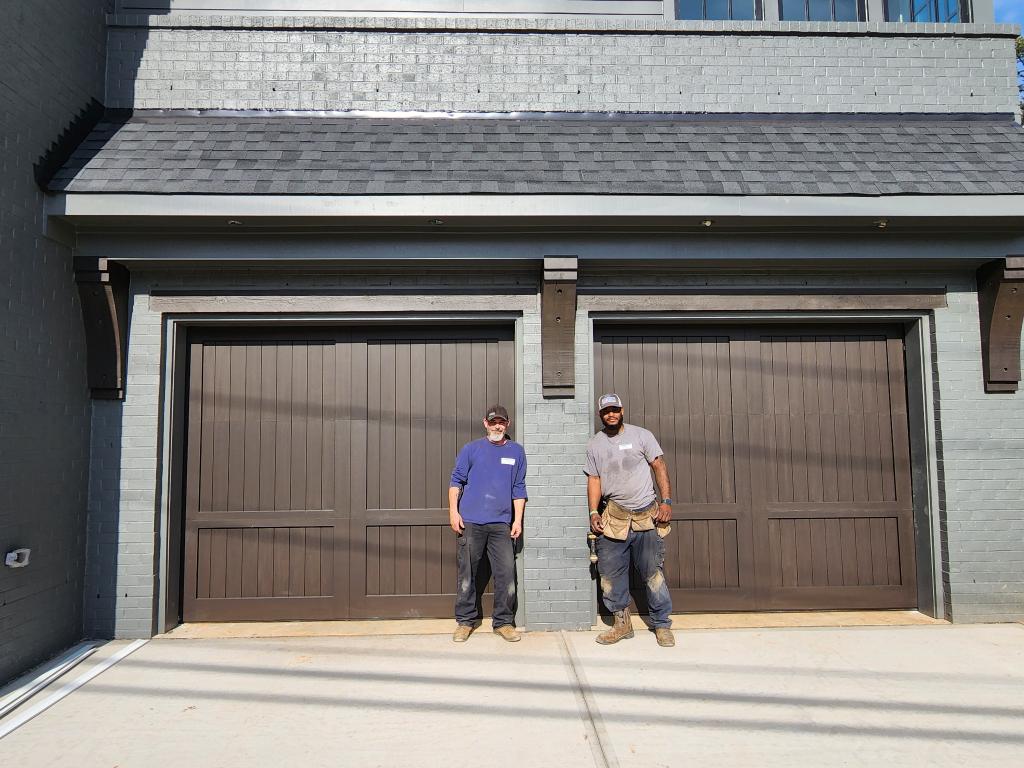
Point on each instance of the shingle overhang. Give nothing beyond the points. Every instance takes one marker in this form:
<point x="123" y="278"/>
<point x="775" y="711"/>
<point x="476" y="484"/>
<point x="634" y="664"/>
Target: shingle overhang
<point x="297" y="154"/>
<point x="530" y="170"/>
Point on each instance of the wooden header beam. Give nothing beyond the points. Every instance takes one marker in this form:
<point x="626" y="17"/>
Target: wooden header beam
<point x="1001" y="310"/>
<point x="558" y="326"/>
<point x="103" y="292"/>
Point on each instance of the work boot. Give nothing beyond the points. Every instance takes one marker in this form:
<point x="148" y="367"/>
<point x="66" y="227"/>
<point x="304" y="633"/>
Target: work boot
<point x="664" y="637"/>
<point x="462" y="633"/>
<point x="620" y="630"/>
<point x="508" y="632"/>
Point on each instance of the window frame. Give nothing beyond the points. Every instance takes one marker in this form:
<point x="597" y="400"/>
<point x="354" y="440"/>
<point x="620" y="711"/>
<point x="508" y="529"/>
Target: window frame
<point x="758" y="12"/>
<point x="966" y="13"/>
<point x="862" y="12"/>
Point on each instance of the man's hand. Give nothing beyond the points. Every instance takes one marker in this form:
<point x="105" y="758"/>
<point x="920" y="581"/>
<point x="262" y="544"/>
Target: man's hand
<point x="517" y="529"/>
<point x="664" y="514"/>
<point x="595" y="524"/>
<point x="455" y="521"/>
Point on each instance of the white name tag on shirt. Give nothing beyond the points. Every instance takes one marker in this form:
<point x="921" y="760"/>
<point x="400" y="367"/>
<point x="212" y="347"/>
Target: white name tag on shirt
<point x="508" y="461"/>
<point x="625" y="446"/>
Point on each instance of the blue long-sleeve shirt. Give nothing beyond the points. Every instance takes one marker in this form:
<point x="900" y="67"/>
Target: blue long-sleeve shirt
<point x="490" y="477"/>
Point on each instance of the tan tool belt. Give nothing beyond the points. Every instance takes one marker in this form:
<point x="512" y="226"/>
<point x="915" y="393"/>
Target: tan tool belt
<point x="617" y="521"/>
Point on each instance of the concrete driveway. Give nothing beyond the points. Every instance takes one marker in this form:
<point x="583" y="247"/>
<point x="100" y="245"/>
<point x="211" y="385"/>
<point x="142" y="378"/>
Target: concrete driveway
<point x="935" y="695"/>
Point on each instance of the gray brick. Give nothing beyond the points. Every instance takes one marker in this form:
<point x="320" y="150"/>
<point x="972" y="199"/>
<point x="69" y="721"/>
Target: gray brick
<point x="269" y="68"/>
<point x="51" y="55"/>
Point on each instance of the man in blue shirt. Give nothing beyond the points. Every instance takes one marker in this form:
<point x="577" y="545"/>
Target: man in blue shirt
<point x="485" y="509"/>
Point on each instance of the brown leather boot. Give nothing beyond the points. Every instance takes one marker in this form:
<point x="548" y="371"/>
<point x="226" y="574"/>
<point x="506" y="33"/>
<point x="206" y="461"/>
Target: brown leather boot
<point x="620" y="630"/>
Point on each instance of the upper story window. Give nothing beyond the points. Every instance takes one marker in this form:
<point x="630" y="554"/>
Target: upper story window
<point x="718" y="10"/>
<point x="935" y="11"/>
<point x="822" y="10"/>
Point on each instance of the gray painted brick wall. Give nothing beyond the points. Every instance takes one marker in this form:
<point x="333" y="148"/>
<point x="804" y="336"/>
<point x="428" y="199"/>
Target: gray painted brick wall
<point x="981" y="460"/>
<point x="982" y="472"/>
<point x="51" y="57"/>
<point x="260" y="63"/>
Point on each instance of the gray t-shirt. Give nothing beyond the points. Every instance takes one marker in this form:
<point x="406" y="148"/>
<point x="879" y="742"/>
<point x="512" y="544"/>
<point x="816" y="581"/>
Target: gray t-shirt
<point x="622" y="462"/>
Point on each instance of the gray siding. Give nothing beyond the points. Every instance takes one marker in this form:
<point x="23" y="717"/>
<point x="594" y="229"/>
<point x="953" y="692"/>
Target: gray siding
<point x="502" y="65"/>
<point x="51" y="57"/>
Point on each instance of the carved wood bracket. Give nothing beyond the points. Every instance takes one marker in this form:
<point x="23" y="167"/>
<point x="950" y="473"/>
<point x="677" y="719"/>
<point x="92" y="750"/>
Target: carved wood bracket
<point x="1001" y="309"/>
<point x="558" y="326"/>
<point x="103" y="292"/>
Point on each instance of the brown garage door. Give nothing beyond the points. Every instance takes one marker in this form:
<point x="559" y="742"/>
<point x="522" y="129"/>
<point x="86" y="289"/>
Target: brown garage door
<point x="317" y="465"/>
<point x="788" y="450"/>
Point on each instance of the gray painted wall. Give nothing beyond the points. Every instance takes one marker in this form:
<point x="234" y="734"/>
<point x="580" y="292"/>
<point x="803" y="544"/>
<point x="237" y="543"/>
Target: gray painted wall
<point x="978" y="473"/>
<point x="983" y="472"/>
<point x="590" y="65"/>
<point x="52" y="63"/>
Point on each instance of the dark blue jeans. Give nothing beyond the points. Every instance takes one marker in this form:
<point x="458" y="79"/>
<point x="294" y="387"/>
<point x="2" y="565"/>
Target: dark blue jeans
<point x="494" y="539"/>
<point x="646" y="549"/>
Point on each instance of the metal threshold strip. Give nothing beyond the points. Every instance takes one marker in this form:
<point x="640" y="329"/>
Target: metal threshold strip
<point x="69" y="661"/>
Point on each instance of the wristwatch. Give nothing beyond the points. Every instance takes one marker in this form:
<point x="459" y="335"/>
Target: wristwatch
<point x="594" y="512"/>
<point x="667" y="501"/>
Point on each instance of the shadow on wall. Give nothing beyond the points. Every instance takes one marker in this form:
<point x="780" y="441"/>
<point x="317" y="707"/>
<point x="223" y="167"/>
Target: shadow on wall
<point x="127" y="47"/>
<point x="102" y="534"/>
<point x="106" y="571"/>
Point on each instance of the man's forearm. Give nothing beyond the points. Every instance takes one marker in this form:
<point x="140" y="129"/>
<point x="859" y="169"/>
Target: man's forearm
<point x="661" y="479"/>
<point x="453" y="500"/>
<point x="593" y="493"/>
<point x="518" y="507"/>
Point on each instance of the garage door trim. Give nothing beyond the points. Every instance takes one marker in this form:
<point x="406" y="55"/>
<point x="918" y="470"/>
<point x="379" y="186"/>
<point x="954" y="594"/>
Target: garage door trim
<point x="168" y="587"/>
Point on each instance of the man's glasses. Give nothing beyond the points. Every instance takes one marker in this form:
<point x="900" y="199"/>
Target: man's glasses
<point x="497" y="422"/>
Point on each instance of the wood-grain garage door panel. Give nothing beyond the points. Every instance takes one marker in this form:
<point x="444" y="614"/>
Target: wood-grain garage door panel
<point x="260" y="469"/>
<point x="317" y="467"/>
<point x="834" y="509"/>
<point x="425" y="398"/>
<point x="789" y="454"/>
<point x="683" y="386"/>
<point x="828" y="419"/>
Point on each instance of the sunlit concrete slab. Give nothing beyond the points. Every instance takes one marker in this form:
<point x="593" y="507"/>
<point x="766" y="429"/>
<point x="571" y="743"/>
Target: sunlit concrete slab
<point x="928" y="696"/>
<point x="862" y="696"/>
<point x="391" y="701"/>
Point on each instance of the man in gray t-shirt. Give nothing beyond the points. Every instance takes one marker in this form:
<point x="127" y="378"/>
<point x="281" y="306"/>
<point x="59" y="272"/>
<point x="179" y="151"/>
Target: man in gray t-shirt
<point x="620" y="461"/>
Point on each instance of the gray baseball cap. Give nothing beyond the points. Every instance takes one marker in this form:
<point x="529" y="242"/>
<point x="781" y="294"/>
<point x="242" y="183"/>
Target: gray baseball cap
<point x="609" y="401"/>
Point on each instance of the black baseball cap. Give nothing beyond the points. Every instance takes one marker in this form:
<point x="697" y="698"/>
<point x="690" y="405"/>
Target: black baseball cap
<point x="497" y="412"/>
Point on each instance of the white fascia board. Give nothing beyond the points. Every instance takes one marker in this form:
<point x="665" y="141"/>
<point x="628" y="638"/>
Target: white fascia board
<point x="74" y="205"/>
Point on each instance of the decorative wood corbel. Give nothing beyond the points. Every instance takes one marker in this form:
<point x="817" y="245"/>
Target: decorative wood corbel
<point x="1001" y="308"/>
<point x="558" y="326"/>
<point x="103" y="292"/>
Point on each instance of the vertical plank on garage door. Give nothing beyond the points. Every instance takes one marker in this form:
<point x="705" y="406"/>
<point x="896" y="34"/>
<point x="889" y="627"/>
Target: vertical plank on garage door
<point x="269" y="426"/>
<point x="253" y="423"/>
<point x="300" y="425"/>
<point x="221" y="394"/>
<point x="711" y="362"/>
<point x="859" y="450"/>
<point x="435" y="461"/>
<point x="236" y="427"/>
<point x="283" y="440"/>
<point x="314" y="427"/>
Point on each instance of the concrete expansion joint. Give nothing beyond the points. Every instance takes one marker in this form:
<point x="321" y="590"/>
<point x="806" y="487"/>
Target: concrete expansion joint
<point x="597" y="735"/>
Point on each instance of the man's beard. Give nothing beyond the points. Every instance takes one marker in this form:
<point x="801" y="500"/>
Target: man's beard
<point x="495" y="437"/>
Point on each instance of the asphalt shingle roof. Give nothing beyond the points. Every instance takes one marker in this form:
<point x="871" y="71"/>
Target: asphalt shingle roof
<point x="331" y="155"/>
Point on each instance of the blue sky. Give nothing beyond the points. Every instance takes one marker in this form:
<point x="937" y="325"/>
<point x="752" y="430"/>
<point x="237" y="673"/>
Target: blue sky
<point x="1010" y="11"/>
